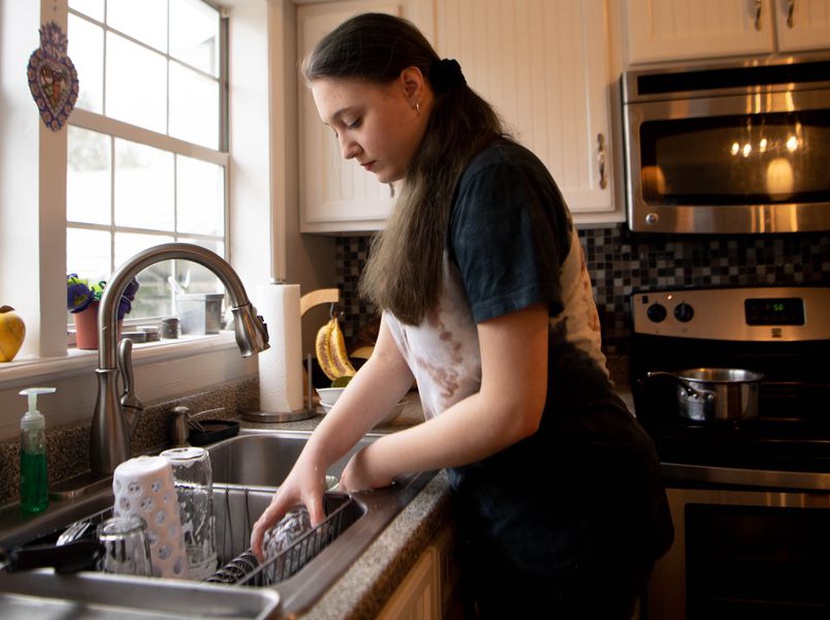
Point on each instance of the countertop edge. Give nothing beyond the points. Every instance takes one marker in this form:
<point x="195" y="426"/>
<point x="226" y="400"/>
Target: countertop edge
<point x="366" y="587"/>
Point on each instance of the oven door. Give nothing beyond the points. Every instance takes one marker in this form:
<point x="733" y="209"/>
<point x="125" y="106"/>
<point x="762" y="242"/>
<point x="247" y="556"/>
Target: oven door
<point x="743" y="553"/>
<point x="749" y="163"/>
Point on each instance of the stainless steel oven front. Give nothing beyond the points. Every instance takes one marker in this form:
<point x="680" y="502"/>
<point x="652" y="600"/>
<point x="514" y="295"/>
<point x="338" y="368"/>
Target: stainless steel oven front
<point x="735" y="148"/>
<point x="744" y="551"/>
<point x="750" y="498"/>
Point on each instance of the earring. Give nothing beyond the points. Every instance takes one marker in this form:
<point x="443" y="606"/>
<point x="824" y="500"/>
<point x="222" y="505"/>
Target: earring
<point x="418" y="107"/>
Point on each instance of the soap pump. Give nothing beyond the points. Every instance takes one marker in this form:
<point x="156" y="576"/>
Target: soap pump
<point x="34" y="483"/>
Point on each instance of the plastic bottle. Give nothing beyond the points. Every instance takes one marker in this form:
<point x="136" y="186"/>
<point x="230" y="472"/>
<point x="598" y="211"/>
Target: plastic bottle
<point x="34" y="482"/>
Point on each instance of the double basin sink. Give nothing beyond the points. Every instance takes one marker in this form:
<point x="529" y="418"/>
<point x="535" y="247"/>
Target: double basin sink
<point x="246" y="471"/>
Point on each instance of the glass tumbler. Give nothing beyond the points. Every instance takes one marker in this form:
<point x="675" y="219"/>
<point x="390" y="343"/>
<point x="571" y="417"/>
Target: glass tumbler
<point x="193" y="479"/>
<point x="126" y="546"/>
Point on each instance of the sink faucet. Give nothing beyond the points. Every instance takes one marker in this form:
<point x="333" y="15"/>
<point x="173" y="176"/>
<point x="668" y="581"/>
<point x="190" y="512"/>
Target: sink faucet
<point x="115" y="419"/>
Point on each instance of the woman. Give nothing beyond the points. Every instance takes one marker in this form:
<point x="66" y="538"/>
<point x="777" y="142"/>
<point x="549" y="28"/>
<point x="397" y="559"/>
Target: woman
<point x="487" y="303"/>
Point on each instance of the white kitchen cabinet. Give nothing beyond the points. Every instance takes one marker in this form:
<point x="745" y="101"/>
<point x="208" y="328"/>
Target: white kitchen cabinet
<point x="543" y="63"/>
<point x="338" y="196"/>
<point x="669" y="30"/>
<point x="802" y="25"/>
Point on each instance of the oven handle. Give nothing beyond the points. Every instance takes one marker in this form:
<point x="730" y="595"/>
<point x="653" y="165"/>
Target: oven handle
<point x="752" y="478"/>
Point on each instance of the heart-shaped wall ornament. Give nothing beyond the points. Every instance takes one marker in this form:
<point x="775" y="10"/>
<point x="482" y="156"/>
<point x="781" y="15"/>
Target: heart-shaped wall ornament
<point x="53" y="80"/>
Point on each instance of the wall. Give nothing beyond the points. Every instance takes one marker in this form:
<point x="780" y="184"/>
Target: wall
<point x="621" y="262"/>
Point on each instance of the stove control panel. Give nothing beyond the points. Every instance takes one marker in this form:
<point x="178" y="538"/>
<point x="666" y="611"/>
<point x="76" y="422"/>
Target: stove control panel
<point x="755" y="314"/>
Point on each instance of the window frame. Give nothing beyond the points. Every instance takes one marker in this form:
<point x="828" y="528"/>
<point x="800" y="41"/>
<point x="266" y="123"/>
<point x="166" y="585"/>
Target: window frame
<point x="115" y="128"/>
<point x="262" y="228"/>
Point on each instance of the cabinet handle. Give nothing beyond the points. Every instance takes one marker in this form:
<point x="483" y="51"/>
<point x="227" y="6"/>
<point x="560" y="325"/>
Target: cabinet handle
<point x="758" y="7"/>
<point x="603" y="182"/>
<point x="790" y="11"/>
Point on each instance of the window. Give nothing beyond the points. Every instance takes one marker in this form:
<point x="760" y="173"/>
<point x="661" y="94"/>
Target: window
<point x="147" y="149"/>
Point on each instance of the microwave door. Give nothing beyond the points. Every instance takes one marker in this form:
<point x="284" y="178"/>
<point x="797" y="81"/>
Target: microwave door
<point x="737" y="164"/>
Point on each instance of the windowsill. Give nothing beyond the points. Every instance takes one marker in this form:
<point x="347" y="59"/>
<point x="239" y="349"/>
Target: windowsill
<point x="78" y="361"/>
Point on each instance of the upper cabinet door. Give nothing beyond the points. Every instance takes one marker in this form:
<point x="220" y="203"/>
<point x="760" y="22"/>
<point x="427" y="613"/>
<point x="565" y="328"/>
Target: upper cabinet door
<point x="544" y="65"/>
<point x="685" y="29"/>
<point x="335" y="195"/>
<point x="660" y="30"/>
<point x="802" y="25"/>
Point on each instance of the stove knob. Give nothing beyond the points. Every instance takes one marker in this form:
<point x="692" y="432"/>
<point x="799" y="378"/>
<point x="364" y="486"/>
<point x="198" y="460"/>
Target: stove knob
<point x="683" y="312"/>
<point x="656" y="313"/>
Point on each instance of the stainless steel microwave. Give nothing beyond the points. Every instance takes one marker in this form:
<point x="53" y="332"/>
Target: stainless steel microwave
<point x="732" y="148"/>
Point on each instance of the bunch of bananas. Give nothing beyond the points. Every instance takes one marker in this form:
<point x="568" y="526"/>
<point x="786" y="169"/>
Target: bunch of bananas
<point x="331" y="351"/>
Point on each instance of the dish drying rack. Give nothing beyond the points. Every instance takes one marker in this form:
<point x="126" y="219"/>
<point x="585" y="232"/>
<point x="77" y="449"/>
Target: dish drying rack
<point x="245" y="569"/>
<point x="234" y="516"/>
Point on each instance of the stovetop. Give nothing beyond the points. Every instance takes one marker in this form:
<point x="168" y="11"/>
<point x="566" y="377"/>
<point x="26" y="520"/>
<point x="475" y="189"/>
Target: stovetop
<point x="784" y="333"/>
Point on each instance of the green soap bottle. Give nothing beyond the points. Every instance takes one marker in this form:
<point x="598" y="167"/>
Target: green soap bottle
<point x="34" y="482"/>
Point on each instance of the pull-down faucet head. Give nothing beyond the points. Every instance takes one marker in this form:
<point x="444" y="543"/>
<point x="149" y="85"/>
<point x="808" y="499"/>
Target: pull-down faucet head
<point x="110" y="434"/>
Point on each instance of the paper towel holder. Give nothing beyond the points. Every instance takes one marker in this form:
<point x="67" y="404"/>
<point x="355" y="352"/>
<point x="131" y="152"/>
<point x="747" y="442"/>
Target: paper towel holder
<point x="307" y="302"/>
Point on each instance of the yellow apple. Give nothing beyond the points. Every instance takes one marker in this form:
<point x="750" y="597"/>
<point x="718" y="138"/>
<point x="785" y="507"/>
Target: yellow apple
<point x="12" y="333"/>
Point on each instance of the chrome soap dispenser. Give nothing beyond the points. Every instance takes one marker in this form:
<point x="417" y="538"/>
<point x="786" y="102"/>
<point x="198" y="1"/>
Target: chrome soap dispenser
<point x="34" y="481"/>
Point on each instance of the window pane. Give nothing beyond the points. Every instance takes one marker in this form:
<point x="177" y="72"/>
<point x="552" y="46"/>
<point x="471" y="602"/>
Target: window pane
<point x="154" y="298"/>
<point x="200" y="193"/>
<point x="86" y="46"/>
<point x="145" y="21"/>
<point x="88" y="178"/>
<point x="143" y="186"/>
<point x="194" y="278"/>
<point x="88" y="254"/>
<point x="93" y="8"/>
<point x="194" y="34"/>
<point x="128" y="245"/>
<point x="194" y="106"/>
<point x="136" y="84"/>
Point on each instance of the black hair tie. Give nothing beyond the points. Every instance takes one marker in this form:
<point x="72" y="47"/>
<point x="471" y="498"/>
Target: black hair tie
<point x="444" y="74"/>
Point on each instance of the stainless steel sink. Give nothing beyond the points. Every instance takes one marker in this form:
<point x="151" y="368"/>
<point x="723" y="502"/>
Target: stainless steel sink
<point x="264" y="459"/>
<point x="246" y="470"/>
<point x="41" y="595"/>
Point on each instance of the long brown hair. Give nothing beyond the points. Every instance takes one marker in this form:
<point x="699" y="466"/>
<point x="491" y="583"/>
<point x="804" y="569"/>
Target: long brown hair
<point x="404" y="271"/>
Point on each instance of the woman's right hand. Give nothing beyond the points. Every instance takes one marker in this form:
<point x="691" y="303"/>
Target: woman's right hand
<point x="303" y="486"/>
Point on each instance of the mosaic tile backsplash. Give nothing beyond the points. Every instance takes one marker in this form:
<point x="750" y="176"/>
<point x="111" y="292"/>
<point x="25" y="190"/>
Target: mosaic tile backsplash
<point x="621" y="262"/>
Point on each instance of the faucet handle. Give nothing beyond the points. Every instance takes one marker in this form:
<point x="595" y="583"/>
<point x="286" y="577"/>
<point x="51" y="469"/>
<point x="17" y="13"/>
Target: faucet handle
<point x="130" y="403"/>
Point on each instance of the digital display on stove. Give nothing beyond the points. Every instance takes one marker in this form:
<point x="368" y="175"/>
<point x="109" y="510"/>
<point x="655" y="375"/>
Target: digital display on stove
<point x="774" y="311"/>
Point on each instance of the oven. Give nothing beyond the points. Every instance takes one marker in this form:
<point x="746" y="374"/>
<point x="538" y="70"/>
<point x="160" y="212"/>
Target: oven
<point x="750" y="497"/>
<point x="728" y="148"/>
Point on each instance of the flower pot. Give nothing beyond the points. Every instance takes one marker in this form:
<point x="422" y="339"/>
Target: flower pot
<point x="86" y="327"/>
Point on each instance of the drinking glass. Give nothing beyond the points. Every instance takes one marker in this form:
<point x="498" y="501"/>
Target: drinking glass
<point x="126" y="546"/>
<point x="193" y="478"/>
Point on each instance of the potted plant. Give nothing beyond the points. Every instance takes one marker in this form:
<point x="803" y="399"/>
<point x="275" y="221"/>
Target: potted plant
<point x="83" y="299"/>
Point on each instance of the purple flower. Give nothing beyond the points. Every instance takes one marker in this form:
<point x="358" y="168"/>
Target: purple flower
<point x="79" y="294"/>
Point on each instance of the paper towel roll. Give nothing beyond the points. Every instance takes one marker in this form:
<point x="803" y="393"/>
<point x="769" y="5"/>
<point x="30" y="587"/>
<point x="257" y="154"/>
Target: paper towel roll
<point x="280" y="366"/>
<point x="144" y="486"/>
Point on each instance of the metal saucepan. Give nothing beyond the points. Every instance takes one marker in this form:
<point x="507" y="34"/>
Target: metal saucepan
<point x="716" y="394"/>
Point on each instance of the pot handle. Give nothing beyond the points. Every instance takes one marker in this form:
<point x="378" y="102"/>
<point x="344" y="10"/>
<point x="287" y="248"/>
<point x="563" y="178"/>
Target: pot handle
<point x="691" y="390"/>
<point x="69" y="558"/>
